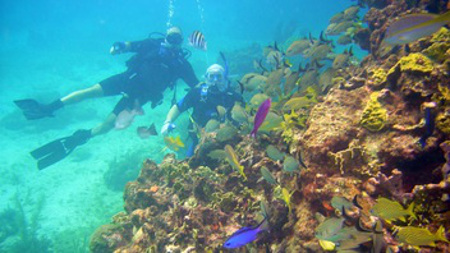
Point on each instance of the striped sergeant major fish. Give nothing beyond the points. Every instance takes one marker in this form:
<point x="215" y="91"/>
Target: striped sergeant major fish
<point x="197" y="40"/>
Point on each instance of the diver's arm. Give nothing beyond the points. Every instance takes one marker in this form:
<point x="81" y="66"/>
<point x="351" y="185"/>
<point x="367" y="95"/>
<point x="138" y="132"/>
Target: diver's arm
<point x="185" y="103"/>
<point x="132" y="46"/>
<point x="171" y="117"/>
<point x="119" y="47"/>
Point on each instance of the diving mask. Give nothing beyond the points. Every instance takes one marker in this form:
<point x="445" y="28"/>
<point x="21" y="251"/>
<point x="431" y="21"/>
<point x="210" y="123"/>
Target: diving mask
<point x="216" y="80"/>
<point x="174" y="39"/>
<point x="215" y="77"/>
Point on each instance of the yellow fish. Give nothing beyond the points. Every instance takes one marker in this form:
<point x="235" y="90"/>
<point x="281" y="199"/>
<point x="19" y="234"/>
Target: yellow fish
<point x="285" y="195"/>
<point x="327" y="245"/>
<point x="173" y="143"/>
<point x="234" y="161"/>
<point x="420" y="236"/>
<point x="392" y="210"/>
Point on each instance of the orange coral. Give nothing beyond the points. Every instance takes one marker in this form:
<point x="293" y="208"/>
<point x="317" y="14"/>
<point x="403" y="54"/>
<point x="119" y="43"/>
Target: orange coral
<point x="154" y="188"/>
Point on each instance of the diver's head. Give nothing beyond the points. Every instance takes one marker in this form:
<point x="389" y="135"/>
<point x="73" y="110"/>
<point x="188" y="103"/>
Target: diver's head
<point x="174" y="37"/>
<point x="215" y="77"/>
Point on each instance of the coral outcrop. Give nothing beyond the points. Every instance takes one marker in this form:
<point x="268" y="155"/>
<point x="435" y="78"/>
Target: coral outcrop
<point x="370" y="135"/>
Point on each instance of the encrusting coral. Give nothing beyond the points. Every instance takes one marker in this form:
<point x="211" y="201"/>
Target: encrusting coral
<point x="374" y="116"/>
<point x="377" y="77"/>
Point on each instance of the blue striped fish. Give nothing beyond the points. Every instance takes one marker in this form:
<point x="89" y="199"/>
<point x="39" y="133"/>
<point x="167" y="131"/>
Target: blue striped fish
<point x="197" y="40"/>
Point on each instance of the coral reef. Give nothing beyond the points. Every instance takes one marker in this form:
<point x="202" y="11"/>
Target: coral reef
<point x="356" y="133"/>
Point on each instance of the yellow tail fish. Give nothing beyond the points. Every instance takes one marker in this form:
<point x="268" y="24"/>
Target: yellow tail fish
<point x="234" y="161"/>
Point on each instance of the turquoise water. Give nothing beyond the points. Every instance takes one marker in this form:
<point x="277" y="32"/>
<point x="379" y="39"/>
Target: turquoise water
<point x="51" y="48"/>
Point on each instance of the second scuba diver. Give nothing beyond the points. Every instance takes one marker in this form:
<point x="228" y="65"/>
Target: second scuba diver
<point x="204" y="99"/>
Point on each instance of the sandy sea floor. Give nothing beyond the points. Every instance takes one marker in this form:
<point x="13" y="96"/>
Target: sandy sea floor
<point x="75" y="197"/>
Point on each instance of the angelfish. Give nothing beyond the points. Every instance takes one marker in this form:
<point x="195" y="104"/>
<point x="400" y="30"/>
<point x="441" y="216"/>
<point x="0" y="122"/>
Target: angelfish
<point x="245" y="235"/>
<point x="263" y="110"/>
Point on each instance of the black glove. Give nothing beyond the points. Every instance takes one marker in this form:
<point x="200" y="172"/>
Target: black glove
<point x="118" y="48"/>
<point x="78" y="138"/>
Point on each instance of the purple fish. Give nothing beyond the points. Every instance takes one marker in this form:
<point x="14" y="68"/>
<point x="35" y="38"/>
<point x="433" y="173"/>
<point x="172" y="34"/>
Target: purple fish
<point x="245" y="235"/>
<point x="260" y="116"/>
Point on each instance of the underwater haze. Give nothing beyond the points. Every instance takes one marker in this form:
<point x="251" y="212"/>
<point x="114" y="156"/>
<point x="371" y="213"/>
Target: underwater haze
<point x="50" y="48"/>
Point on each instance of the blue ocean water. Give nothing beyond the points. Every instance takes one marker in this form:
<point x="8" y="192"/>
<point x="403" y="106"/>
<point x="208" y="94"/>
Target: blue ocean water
<point x="50" y="48"/>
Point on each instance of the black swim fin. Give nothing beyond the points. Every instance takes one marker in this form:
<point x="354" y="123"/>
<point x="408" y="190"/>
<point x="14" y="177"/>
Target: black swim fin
<point x="32" y="109"/>
<point x="58" y="149"/>
<point x="50" y="153"/>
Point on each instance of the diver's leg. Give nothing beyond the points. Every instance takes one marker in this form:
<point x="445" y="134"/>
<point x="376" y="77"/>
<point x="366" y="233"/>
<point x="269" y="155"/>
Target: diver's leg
<point x="92" y="92"/>
<point x="111" y="86"/>
<point x="109" y="122"/>
<point x="105" y="126"/>
<point x="32" y="109"/>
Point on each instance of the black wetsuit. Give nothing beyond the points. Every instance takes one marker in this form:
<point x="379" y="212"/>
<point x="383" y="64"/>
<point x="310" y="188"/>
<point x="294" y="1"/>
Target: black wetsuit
<point x="149" y="73"/>
<point x="204" y="103"/>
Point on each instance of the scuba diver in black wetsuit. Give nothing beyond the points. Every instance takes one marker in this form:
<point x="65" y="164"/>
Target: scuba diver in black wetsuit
<point x="157" y="64"/>
<point x="204" y="100"/>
